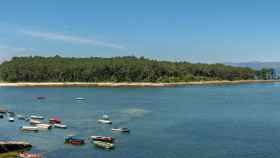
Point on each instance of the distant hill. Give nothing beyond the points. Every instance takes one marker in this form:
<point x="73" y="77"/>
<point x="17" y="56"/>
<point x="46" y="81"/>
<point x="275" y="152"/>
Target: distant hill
<point x="257" y="65"/>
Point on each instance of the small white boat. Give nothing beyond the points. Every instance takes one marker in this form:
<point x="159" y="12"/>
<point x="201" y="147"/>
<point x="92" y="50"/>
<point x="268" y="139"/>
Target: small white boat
<point x="60" y="126"/>
<point x="34" y="122"/>
<point x="43" y="126"/>
<point x="79" y="99"/>
<point x="36" y="117"/>
<point x="29" y="128"/>
<point x="121" y="130"/>
<point x="21" y="117"/>
<point x="104" y="145"/>
<point x="28" y="155"/>
<point x="104" y="121"/>
<point x="11" y="119"/>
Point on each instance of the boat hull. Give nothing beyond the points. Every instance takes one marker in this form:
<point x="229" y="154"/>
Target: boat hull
<point x="104" y="121"/>
<point x="104" y="145"/>
<point x="102" y="139"/>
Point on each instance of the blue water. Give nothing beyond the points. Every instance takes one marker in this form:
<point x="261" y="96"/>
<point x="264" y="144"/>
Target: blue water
<point x="213" y="121"/>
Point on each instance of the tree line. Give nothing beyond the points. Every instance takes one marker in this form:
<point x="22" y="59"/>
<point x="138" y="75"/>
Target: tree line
<point x="118" y="69"/>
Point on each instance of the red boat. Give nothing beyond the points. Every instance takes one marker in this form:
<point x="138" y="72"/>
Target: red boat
<point x="54" y="120"/>
<point x="28" y="155"/>
<point x="74" y="141"/>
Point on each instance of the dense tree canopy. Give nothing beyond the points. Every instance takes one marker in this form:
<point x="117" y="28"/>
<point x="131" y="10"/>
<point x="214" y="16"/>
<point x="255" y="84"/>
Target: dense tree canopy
<point x="117" y="69"/>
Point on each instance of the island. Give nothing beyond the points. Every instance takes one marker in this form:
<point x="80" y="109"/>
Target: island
<point x="121" y="71"/>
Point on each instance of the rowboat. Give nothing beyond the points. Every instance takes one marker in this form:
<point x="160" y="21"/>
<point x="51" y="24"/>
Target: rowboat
<point x="28" y="155"/>
<point x="104" y="145"/>
<point x="74" y="141"/>
<point x="36" y="117"/>
<point x="59" y="126"/>
<point x="103" y="139"/>
<point x="104" y="121"/>
<point x="11" y="119"/>
<point x="42" y="126"/>
<point x="29" y="129"/>
<point x="34" y="122"/>
<point x="54" y="120"/>
<point x="121" y="130"/>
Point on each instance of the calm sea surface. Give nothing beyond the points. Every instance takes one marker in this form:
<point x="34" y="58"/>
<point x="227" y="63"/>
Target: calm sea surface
<point x="214" y="121"/>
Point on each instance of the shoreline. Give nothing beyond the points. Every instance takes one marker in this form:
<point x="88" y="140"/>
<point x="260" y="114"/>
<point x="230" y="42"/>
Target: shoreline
<point x="126" y="84"/>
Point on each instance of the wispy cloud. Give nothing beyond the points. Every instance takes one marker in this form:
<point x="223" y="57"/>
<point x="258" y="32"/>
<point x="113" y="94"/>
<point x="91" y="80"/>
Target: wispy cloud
<point x="6" y="52"/>
<point x="70" y="39"/>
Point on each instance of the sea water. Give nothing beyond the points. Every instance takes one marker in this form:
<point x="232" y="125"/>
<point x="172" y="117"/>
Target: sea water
<point x="209" y="121"/>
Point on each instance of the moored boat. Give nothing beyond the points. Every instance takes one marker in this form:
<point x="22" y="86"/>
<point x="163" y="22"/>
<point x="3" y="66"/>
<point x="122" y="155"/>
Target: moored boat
<point x="126" y="130"/>
<point x="11" y="119"/>
<point x="21" y="117"/>
<point x="60" y="126"/>
<point x="54" y="120"/>
<point x="101" y="138"/>
<point x="74" y="141"/>
<point x="34" y="122"/>
<point x="29" y="128"/>
<point x="80" y="99"/>
<point x="104" y="145"/>
<point x="28" y="155"/>
<point x="43" y="126"/>
<point x="41" y="98"/>
<point x="12" y="114"/>
<point x="36" y="117"/>
<point x="104" y="121"/>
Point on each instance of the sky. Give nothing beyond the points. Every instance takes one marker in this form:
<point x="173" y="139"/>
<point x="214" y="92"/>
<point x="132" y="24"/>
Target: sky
<point x="178" y="30"/>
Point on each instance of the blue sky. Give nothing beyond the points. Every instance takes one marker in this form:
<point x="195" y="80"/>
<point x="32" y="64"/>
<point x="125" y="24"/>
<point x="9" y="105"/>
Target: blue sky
<point x="192" y="30"/>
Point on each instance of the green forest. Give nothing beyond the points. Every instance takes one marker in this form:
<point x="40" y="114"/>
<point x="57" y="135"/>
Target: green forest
<point x="118" y="69"/>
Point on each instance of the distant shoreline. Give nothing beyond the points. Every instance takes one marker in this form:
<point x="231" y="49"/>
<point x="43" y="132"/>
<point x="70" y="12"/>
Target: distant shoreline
<point x="126" y="84"/>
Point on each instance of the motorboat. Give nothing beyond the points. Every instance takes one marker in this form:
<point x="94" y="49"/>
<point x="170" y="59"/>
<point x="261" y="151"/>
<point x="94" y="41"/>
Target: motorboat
<point x="80" y="99"/>
<point x="101" y="138"/>
<point x="29" y="128"/>
<point x="34" y="122"/>
<point x="11" y="119"/>
<point x="21" y="117"/>
<point x="36" y="117"/>
<point x="43" y="126"/>
<point x="74" y="141"/>
<point x="126" y="130"/>
<point x="54" y="120"/>
<point x="56" y="125"/>
<point x="12" y="114"/>
<point x="28" y="155"/>
<point x="104" y="121"/>
<point x="104" y="145"/>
